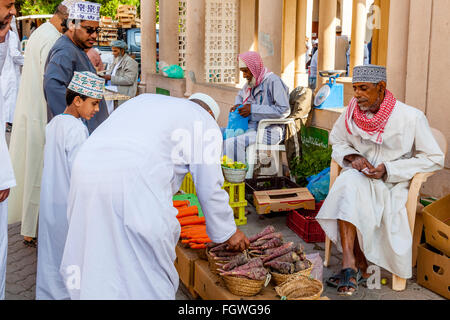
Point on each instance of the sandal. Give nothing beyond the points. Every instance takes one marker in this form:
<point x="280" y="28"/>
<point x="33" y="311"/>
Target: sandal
<point x="32" y="243"/>
<point x="332" y="281"/>
<point x="349" y="274"/>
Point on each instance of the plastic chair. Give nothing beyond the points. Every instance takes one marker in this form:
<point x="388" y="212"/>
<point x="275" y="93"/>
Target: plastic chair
<point x="251" y="151"/>
<point x="416" y="225"/>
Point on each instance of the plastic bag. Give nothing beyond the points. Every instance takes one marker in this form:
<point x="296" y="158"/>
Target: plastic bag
<point x="319" y="185"/>
<point x="237" y="124"/>
<point x="317" y="271"/>
<point x="173" y="71"/>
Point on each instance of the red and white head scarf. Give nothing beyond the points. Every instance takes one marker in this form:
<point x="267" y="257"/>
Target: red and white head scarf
<point x="255" y="64"/>
<point x="373" y="126"/>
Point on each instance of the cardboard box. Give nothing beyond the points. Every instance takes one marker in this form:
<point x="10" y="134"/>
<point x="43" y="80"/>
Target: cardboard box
<point x="184" y="263"/>
<point x="211" y="287"/>
<point x="433" y="270"/>
<point x="283" y="200"/>
<point x="436" y="219"/>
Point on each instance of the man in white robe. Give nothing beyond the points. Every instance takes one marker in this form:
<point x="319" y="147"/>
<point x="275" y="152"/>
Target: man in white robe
<point x="7" y="181"/>
<point x="122" y="225"/>
<point x="381" y="144"/>
<point x="28" y="133"/>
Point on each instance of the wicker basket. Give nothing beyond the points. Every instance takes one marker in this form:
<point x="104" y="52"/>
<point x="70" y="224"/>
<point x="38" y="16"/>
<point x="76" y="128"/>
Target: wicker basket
<point x="234" y="175"/>
<point x="300" y="288"/>
<point x="279" y="278"/>
<point x="242" y="286"/>
<point x="213" y="263"/>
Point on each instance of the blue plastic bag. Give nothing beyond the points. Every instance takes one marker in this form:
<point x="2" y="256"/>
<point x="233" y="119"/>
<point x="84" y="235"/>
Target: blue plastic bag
<point x="237" y="124"/>
<point x="319" y="185"/>
<point x="174" y="71"/>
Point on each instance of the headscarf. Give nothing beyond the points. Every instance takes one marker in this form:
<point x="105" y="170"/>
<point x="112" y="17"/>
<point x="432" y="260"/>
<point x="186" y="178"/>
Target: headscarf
<point x="255" y="64"/>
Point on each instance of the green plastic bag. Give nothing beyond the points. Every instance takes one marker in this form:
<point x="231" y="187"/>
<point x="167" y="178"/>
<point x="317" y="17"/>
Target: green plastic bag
<point x="174" y="71"/>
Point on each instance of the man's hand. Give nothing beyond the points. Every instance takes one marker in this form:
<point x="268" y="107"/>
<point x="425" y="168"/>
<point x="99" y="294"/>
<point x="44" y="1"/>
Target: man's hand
<point x="238" y="242"/>
<point x="234" y="108"/>
<point x="246" y="110"/>
<point x="107" y="77"/>
<point x="359" y="162"/>
<point x="4" y="195"/>
<point x="376" y="173"/>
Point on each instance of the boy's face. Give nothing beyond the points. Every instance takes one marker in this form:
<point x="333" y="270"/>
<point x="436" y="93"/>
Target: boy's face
<point x="87" y="108"/>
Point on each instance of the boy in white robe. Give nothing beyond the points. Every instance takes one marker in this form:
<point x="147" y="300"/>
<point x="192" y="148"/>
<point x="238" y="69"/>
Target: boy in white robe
<point x="65" y="134"/>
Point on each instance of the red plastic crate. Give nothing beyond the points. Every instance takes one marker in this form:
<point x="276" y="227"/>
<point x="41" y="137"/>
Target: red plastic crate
<point x="304" y="224"/>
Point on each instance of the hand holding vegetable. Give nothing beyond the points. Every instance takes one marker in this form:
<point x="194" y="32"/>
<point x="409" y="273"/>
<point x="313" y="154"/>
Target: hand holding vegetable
<point x="238" y="242"/>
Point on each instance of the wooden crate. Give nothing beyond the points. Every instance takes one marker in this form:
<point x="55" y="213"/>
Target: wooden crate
<point x="126" y="9"/>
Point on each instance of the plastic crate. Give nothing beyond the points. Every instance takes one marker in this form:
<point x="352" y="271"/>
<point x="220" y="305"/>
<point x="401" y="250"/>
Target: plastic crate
<point x="304" y="224"/>
<point x="236" y="191"/>
<point x="193" y="200"/>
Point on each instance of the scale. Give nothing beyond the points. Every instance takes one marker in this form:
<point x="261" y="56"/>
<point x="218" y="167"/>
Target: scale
<point x="331" y="95"/>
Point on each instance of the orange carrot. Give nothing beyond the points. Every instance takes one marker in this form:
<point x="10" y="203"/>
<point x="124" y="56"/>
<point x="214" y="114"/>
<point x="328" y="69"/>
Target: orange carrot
<point x="191" y="221"/>
<point x="181" y="203"/>
<point x="188" y="211"/>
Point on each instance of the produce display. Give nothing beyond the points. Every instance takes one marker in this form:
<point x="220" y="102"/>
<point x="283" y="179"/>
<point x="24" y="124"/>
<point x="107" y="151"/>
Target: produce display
<point x="193" y="228"/>
<point x="228" y="163"/>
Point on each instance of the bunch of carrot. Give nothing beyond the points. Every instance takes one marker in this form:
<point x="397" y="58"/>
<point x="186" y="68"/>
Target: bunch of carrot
<point x="193" y="227"/>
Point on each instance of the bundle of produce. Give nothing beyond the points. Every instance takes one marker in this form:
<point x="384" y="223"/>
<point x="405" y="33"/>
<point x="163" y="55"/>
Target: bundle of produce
<point x="287" y="262"/>
<point x="219" y="255"/>
<point x="193" y="228"/>
<point x="264" y="241"/>
<point x="244" y="277"/>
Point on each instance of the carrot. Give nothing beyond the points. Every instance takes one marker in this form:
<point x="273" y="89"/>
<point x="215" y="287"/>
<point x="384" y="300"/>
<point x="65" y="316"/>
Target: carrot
<point x="199" y="241"/>
<point x="196" y="235"/>
<point x="181" y="203"/>
<point x="187" y="212"/>
<point x="191" y="221"/>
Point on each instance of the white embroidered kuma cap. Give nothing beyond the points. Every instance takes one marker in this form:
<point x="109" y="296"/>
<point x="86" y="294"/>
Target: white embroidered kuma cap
<point x="84" y="10"/>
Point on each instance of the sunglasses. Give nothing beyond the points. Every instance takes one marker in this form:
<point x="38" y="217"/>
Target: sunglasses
<point x="90" y="30"/>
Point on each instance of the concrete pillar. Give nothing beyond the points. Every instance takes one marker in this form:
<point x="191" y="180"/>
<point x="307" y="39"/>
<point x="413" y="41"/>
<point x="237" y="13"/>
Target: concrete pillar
<point x="358" y="34"/>
<point x="248" y="29"/>
<point x="398" y="48"/>
<point x="289" y="42"/>
<point x="327" y="38"/>
<point x="380" y="35"/>
<point x="270" y="33"/>
<point x="301" y="76"/>
<point x="195" y="43"/>
<point x="148" y="39"/>
<point x="168" y="31"/>
<point x="346" y="17"/>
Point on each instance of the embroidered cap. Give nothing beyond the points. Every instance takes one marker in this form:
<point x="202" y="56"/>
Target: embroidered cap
<point x="87" y="84"/>
<point x="84" y="10"/>
<point x="69" y="3"/>
<point x="369" y="73"/>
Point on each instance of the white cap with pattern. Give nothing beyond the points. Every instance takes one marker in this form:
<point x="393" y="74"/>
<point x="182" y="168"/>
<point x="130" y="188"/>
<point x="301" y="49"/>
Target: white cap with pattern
<point x="87" y="84"/>
<point x="84" y="10"/>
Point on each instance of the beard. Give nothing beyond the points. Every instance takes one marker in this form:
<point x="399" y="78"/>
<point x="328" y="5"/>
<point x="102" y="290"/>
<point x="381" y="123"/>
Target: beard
<point x="6" y="20"/>
<point x="252" y="83"/>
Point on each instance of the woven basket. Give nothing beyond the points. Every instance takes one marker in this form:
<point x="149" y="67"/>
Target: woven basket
<point x="242" y="286"/>
<point x="234" y="175"/>
<point x="300" y="288"/>
<point x="279" y="278"/>
<point x="213" y="263"/>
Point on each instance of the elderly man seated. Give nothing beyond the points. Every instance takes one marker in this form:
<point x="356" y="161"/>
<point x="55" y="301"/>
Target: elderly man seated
<point x="264" y="96"/>
<point x="380" y="143"/>
<point x="124" y="73"/>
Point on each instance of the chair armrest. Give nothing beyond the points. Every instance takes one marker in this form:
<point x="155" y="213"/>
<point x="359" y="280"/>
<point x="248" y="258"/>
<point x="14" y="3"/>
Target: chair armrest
<point x="263" y="124"/>
<point x="413" y="194"/>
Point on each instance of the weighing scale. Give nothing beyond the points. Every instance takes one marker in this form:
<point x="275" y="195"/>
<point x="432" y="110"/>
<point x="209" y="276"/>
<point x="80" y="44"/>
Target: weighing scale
<point x="331" y="95"/>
